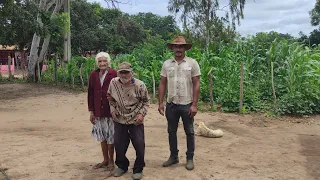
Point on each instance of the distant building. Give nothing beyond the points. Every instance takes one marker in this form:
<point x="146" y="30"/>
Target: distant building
<point x="15" y="54"/>
<point x="6" y="51"/>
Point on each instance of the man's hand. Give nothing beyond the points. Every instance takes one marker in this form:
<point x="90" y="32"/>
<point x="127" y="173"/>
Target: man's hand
<point x="109" y="97"/>
<point x="139" y="119"/>
<point x="161" y="109"/>
<point x="113" y="114"/>
<point x="92" y="118"/>
<point x="193" y="111"/>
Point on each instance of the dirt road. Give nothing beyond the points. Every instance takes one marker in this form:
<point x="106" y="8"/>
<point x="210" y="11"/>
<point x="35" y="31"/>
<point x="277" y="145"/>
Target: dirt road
<point x="45" y="134"/>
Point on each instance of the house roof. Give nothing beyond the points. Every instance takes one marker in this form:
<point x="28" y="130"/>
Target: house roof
<point x="9" y="48"/>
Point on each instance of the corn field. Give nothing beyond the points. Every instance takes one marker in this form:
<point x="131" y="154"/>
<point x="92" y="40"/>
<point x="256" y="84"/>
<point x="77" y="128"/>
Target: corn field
<point x="294" y="89"/>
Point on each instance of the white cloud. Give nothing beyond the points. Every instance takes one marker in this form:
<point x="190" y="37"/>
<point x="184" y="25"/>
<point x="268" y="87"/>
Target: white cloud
<point x="285" y="16"/>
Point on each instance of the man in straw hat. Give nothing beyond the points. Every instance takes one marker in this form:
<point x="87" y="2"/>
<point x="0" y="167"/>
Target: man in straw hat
<point x="181" y="76"/>
<point x="129" y="102"/>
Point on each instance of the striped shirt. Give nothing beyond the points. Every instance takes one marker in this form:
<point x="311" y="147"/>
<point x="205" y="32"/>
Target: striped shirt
<point x="179" y="79"/>
<point x="129" y="101"/>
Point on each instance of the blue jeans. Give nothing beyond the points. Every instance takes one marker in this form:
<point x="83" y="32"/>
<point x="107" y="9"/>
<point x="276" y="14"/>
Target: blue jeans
<point x="173" y="114"/>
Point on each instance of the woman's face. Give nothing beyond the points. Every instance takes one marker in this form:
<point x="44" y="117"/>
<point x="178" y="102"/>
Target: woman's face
<point x="103" y="63"/>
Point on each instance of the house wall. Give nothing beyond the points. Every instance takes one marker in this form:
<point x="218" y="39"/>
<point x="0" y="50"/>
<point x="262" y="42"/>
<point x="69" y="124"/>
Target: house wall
<point x="4" y="69"/>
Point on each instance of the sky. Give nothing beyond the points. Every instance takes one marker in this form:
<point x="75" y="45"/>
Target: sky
<point x="284" y="16"/>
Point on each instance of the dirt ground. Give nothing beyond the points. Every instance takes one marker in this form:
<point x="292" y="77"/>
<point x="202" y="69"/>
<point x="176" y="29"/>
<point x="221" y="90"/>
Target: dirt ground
<point x="45" y="134"/>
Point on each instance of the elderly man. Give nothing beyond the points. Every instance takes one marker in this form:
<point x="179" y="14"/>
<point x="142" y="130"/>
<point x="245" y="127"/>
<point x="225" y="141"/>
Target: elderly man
<point x="98" y="105"/>
<point x="182" y="76"/>
<point x="129" y="102"/>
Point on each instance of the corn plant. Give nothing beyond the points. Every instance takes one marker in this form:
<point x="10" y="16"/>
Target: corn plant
<point x="296" y="73"/>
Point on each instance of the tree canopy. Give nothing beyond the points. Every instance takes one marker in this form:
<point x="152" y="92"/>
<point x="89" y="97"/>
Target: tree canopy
<point x="315" y="14"/>
<point x="18" y="22"/>
<point x="202" y="19"/>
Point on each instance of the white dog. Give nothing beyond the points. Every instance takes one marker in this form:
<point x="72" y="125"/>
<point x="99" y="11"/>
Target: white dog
<point x="203" y="130"/>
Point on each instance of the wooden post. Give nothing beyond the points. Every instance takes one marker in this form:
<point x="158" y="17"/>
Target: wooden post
<point x="241" y="88"/>
<point x="67" y="36"/>
<point x="26" y="67"/>
<point x="9" y="67"/>
<point x="211" y="87"/>
<point x="56" y="69"/>
<point x="154" y="87"/>
<point x="87" y="78"/>
<point x="64" y="75"/>
<point x="0" y="72"/>
<point x="72" y="79"/>
<point x="80" y="74"/>
<point x="24" y="72"/>
<point x="273" y="89"/>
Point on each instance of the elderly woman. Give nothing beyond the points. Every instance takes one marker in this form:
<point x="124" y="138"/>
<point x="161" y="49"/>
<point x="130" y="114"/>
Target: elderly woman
<point x="98" y="105"/>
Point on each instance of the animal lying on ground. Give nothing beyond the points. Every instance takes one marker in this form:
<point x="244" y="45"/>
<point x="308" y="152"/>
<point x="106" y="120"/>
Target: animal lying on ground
<point x="203" y="130"/>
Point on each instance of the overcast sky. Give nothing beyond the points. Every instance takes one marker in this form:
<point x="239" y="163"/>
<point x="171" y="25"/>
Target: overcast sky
<point x="285" y="16"/>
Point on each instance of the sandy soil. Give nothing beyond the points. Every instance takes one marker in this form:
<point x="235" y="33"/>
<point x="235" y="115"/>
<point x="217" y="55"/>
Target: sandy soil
<point x="45" y="134"/>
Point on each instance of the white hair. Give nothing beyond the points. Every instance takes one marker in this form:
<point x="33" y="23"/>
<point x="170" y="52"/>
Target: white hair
<point x="103" y="54"/>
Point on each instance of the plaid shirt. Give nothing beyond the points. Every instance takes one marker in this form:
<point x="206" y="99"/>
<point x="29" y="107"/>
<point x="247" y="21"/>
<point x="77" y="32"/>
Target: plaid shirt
<point x="179" y="79"/>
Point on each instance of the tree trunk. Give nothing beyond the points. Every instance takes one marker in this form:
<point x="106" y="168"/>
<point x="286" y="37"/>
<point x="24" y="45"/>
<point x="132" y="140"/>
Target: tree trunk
<point x="38" y="72"/>
<point x="46" y="41"/>
<point x="22" y="59"/>
<point x="67" y="36"/>
<point x="34" y="58"/>
<point x="44" y="48"/>
<point x="35" y="45"/>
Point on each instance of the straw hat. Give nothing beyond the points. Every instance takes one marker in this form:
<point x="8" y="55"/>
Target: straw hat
<point x="179" y="40"/>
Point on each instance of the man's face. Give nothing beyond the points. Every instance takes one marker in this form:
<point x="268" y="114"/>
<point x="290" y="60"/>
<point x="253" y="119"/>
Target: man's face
<point x="125" y="76"/>
<point x="178" y="50"/>
<point x="103" y="63"/>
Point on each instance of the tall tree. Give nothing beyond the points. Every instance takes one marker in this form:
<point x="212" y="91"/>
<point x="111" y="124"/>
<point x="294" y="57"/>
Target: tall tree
<point x="314" y="37"/>
<point x="202" y="15"/>
<point x="157" y="25"/>
<point x="312" y="40"/>
<point x="103" y="29"/>
<point x="17" y="23"/>
<point x="315" y="14"/>
<point x="43" y="19"/>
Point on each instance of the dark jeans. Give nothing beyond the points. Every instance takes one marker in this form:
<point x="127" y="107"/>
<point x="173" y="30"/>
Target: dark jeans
<point x="173" y="114"/>
<point x="122" y="136"/>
